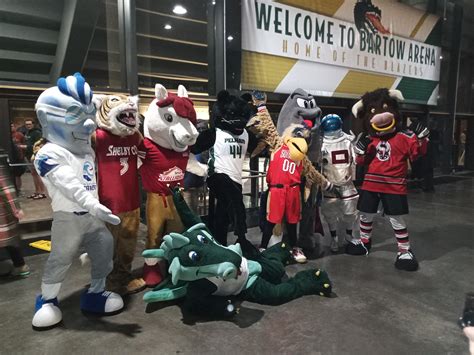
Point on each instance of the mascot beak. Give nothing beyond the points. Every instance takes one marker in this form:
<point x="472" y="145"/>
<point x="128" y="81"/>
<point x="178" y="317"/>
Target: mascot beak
<point x="297" y="147"/>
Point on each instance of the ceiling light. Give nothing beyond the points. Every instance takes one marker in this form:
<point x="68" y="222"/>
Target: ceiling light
<point x="179" y="10"/>
<point x="168" y="27"/>
<point x="230" y="38"/>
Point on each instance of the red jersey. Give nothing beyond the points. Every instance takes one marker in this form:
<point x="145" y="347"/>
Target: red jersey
<point x="117" y="170"/>
<point x="283" y="170"/>
<point x="162" y="168"/>
<point x="387" y="160"/>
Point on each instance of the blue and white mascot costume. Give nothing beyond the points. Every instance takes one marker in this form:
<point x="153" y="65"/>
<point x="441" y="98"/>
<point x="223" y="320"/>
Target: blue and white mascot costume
<point x="338" y="165"/>
<point x="66" y="165"/>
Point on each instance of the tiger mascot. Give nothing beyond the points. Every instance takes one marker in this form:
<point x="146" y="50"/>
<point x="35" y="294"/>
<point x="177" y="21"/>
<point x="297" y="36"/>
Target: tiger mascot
<point x="116" y="145"/>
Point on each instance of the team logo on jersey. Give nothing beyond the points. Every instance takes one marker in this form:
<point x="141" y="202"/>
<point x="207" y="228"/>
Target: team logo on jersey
<point x="383" y="151"/>
<point x="173" y="174"/>
<point x="88" y="171"/>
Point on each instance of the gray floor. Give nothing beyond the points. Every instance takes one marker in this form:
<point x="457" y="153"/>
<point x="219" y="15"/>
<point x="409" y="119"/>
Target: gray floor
<point x="377" y="310"/>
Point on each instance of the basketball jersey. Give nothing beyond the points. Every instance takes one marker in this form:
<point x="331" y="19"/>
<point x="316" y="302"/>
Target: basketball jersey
<point x="162" y="168"/>
<point x="338" y="159"/>
<point x="282" y="169"/>
<point x="228" y="154"/>
<point x="117" y="171"/>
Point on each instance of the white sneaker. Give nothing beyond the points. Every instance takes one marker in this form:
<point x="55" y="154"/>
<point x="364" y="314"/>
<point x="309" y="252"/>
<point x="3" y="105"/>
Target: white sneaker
<point x="334" y="244"/>
<point x="298" y="255"/>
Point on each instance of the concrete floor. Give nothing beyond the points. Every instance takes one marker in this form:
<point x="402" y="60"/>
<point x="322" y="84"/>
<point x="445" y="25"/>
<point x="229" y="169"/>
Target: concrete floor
<point x="376" y="310"/>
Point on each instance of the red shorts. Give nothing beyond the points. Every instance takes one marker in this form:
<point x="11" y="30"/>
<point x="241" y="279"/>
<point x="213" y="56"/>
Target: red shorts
<point x="286" y="202"/>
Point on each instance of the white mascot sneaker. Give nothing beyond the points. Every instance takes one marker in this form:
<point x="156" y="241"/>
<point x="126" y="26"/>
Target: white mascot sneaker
<point x="47" y="314"/>
<point x="101" y="303"/>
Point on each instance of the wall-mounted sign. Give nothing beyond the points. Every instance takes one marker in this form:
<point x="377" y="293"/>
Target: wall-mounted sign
<point x="340" y="48"/>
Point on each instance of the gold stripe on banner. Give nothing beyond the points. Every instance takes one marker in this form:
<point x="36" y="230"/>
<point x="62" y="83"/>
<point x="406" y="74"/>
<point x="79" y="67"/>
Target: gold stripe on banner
<point x="419" y="24"/>
<point x="358" y="83"/>
<point x="264" y="71"/>
<point x="323" y="7"/>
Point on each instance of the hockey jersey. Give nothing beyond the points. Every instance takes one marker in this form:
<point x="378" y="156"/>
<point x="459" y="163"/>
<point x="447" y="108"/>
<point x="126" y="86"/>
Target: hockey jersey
<point x="387" y="161"/>
<point x="162" y="168"/>
<point x="282" y="170"/>
<point x="117" y="170"/>
<point x="338" y="159"/>
<point x="228" y="154"/>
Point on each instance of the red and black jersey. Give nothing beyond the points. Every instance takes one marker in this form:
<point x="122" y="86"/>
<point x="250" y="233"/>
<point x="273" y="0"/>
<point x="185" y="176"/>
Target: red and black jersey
<point x="387" y="160"/>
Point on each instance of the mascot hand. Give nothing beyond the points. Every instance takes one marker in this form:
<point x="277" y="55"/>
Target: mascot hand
<point x="106" y="215"/>
<point x="419" y="129"/>
<point x="333" y="189"/>
<point x="361" y="143"/>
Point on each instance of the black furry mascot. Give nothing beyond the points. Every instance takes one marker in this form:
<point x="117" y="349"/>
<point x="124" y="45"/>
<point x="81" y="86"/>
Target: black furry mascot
<point x="228" y="143"/>
<point x="385" y="149"/>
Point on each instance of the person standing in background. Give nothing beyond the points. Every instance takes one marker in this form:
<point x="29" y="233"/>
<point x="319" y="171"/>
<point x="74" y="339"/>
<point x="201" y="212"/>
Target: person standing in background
<point x="32" y="136"/>
<point x="10" y="213"/>
<point x="18" y="156"/>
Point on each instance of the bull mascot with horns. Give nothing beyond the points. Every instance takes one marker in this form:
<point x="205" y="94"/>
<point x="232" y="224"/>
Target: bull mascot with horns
<point x="384" y="148"/>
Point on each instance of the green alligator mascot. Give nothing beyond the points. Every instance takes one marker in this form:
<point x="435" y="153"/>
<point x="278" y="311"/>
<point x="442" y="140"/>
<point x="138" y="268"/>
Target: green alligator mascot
<point x="214" y="279"/>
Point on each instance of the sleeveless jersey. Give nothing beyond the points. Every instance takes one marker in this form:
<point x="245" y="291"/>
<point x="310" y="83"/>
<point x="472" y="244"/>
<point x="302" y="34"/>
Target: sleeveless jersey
<point x="228" y="154"/>
<point x="283" y="170"/>
<point x="117" y="171"/>
<point x="162" y="168"/>
<point x="232" y="286"/>
<point x="338" y="159"/>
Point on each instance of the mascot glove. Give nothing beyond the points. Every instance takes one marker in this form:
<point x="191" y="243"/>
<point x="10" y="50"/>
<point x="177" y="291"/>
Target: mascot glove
<point x="106" y="215"/>
<point x="419" y="129"/>
<point x="333" y="189"/>
<point x="361" y="143"/>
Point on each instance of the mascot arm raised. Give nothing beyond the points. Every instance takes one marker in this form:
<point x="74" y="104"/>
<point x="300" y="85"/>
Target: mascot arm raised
<point x="64" y="179"/>
<point x="205" y="141"/>
<point x="199" y="300"/>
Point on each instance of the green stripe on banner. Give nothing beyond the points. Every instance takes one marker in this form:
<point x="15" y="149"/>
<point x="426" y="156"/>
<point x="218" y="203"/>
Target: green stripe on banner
<point x="416" y="90"/>
<point x="434" y="38"/>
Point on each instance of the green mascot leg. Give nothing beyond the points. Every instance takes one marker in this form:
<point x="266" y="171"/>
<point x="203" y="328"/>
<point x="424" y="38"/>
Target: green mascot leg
<point x="273" y="262"/>
<point x="307" y="282"/>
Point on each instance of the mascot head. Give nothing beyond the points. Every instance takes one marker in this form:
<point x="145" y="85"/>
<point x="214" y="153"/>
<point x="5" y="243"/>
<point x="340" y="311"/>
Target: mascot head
<point x="195" y="255"/>
<point x="377" y="111"/>
<point x="295" y="138"/>
<point x="331" y="125"/>
<point x="300" y="108"/>
<point x="170" y="120"/>
<point x="231" y="113"/>
<point x="117" y="114"/>
<point x="67" y="114"/>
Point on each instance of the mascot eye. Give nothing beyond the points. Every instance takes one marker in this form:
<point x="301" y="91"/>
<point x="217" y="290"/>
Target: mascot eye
<point x="168" y="117"/>
<point x="202" y="239"/>
<point x="193" y="256"/>
<point x="372" y="110"/>
<point x="114" y="99"/>
<point x="312" y="103"/>
<point x="302" y="103"/>
<point x="385" y="106"/>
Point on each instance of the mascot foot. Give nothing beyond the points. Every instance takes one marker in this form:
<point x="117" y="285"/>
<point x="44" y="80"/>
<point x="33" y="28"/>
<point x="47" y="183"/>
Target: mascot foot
<point x="47" y="314"/>
<point x="101" y="303"/>
<point x="314" y="282"/>
<point x="298" y="255"/>
<point x="406" y="261"/>
<point x="152" y="275"/>
<point x="136" y="285"/>
<point x="334" y="244"/>
<point x="356" y="247"/>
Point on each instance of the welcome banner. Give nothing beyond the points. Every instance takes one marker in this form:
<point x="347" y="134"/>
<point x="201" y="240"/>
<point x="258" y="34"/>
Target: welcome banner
<point x="285" y="47"/>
